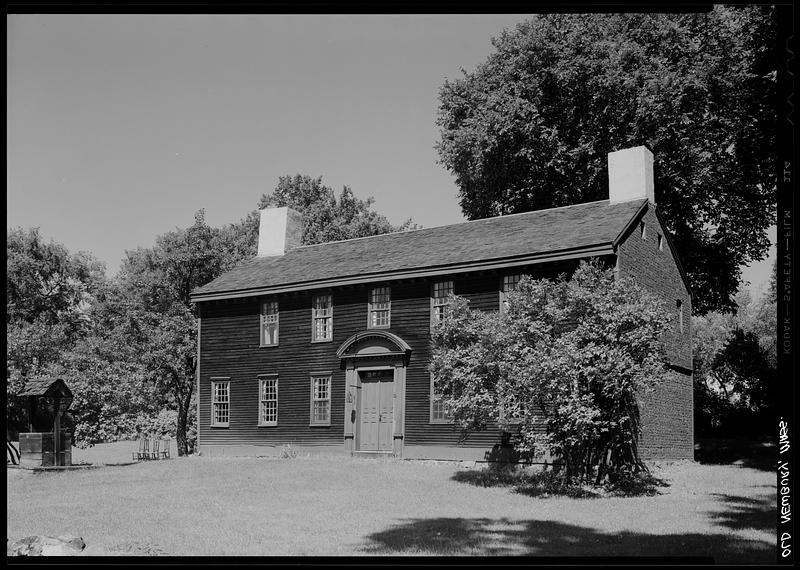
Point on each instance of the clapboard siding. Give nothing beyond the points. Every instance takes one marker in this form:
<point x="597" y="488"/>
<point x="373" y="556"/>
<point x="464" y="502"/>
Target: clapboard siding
<point x="230" y="349"/>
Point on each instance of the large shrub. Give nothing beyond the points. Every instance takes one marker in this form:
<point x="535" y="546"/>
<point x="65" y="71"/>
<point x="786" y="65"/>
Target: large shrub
<point x="564" y="366"/>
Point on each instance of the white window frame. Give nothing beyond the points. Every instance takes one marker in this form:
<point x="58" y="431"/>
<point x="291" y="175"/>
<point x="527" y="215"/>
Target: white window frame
<point x="506" y="287"/>
<point x="446" y="417"/>
<point x="440" y="303"/>
<point x="324" y="315"/>
<point x="315" y="398"/>
<point x="269" y="318"/>
<point x="263" y="380"/>
<point x="374" y="308"/>
<point x="216" y="401"/>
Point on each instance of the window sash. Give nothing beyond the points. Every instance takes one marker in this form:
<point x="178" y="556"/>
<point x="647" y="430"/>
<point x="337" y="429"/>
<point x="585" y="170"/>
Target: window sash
<point x="268" y="402"/>
<point x="321" y="400"/>
<point x="322" y="317"/>
<point x="380" y="305"/>
<point x="510" y="283"/>
<point x="441" y="302"/>
<point x="439" y="411"/>
<point x="220" y="403"/>
<point x="269" y="323"/>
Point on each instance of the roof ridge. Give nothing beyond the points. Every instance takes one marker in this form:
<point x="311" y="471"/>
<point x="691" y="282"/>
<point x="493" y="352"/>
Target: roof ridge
<point x="455" y="224"/>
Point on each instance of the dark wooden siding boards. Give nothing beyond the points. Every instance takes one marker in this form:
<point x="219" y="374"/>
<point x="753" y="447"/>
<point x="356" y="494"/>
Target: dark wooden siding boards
<point x="230" y="349"/>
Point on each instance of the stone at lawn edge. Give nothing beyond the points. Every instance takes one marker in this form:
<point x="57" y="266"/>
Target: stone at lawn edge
<point x="64" y="545"/>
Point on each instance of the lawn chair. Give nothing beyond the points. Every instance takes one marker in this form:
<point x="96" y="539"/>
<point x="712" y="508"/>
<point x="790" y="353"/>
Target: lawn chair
<point x="154" y="445"/>
<point x="164" y="451"/>
<point x="144" y="450"/>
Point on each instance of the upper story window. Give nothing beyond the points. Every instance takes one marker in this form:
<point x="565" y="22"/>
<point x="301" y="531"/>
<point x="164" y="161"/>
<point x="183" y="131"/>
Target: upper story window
<point x="269" y="323"/>
<point x="322" y="317"/>
<point x="220" y="403"/>
<point x="643" y="230"/>
<point x="321" y="400"/>
<point x="679" y="305"/>
<point x="268" y="400"/>
<point x="509" y="284"/>
<point x="380" y="307"/>
<point x="441" y="302"/>
<point x="660" y="242"/>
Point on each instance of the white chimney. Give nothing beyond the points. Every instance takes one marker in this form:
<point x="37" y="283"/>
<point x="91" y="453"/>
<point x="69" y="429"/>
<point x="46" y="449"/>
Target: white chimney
<point x="630" y="175"/>
<point x="280" y="230"/>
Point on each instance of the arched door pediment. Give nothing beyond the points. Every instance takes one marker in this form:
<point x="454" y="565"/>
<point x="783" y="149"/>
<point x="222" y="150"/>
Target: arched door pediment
<point x="374" y="344"/>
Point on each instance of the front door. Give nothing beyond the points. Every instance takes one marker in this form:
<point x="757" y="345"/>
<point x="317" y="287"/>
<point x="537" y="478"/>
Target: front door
<point x="376" y="428"/>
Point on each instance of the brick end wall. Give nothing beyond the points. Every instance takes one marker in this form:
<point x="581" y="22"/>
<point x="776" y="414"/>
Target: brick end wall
<point x="667" y="414"/>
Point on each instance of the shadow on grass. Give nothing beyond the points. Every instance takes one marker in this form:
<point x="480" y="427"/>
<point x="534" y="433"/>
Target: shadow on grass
<point x="504" y="537"/>
<point x="747" y="513"/>
<point x="544" y="483"/>
<point x="755" y="454"/>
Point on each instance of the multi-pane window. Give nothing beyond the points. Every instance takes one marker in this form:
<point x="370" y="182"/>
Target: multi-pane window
<point x="269" y="323"/>
<point x="268" y="401"/>
<point x="509" y="284"/>
<point x="321" y="400"/>
<point x="439" y="411"/>
<point x="220" y="403"/>
<point x="441" y="291"/>
<point x="322" y="317"/>
<point x="380" y="304"/>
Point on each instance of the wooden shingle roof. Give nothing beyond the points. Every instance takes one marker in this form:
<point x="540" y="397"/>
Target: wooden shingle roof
<point x="45" y="387"/>
<point x="588" y="229"/>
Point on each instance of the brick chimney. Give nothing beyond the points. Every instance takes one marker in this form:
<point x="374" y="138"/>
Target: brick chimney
<point x="630" y="175"/>
<point x="280" y="230"/>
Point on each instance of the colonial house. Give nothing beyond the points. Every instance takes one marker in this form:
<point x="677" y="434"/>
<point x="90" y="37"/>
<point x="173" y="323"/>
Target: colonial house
<point x="328" y="346"/>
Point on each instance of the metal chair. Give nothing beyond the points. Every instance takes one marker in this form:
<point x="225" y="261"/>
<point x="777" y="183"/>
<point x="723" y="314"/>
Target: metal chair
<point x="144" y="450"/>
<point x="154" y="445"/>
<point x="165" y="450"/>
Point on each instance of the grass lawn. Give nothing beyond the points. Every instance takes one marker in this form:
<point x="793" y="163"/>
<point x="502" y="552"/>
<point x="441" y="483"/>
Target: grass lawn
<point x="344" y="506"/>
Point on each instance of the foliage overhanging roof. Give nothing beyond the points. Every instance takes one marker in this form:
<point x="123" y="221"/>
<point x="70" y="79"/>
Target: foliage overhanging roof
<point x="590" y="228"/>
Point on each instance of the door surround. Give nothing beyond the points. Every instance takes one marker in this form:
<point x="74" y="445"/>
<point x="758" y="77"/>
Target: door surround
<point x="373" y="350"/>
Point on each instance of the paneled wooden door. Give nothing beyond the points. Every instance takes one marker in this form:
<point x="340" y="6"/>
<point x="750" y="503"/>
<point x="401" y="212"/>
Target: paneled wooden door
<point x="377" y="410"/>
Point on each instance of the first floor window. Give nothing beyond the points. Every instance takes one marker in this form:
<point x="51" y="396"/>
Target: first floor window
<point x="441" y="302"/>
<point x="322" y="317"/>
<point x="269" y="323"/>
<point x="380" y="305"/>
<point x="321" y="400"/>
<point x="439" y="411"/>
<point x="268" y="401"/>
<point x="220" y="403"/>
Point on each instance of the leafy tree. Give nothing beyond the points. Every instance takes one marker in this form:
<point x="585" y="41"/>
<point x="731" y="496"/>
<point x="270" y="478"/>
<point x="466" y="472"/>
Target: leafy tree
<point x="531" y="127"/>
<point x="325" y="217"/>
<point x="48" y="293"/>
<point x="155" y="284"/>
<point x="735" y="364"/>
<point x="572" y="355"/>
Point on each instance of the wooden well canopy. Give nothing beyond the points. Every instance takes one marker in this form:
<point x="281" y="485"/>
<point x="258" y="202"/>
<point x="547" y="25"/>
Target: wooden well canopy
<point x="47" y="388"/>
<point x="45" y="444"/>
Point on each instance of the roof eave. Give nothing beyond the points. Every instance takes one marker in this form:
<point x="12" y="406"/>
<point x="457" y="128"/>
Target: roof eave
<point x="602" y="248"/>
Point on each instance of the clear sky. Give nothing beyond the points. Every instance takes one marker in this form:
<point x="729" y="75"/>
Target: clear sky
<point x="120" y="127"/>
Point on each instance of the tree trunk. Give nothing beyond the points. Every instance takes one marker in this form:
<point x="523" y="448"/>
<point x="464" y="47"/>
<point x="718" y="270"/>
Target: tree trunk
<point x="180" y="436"/>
